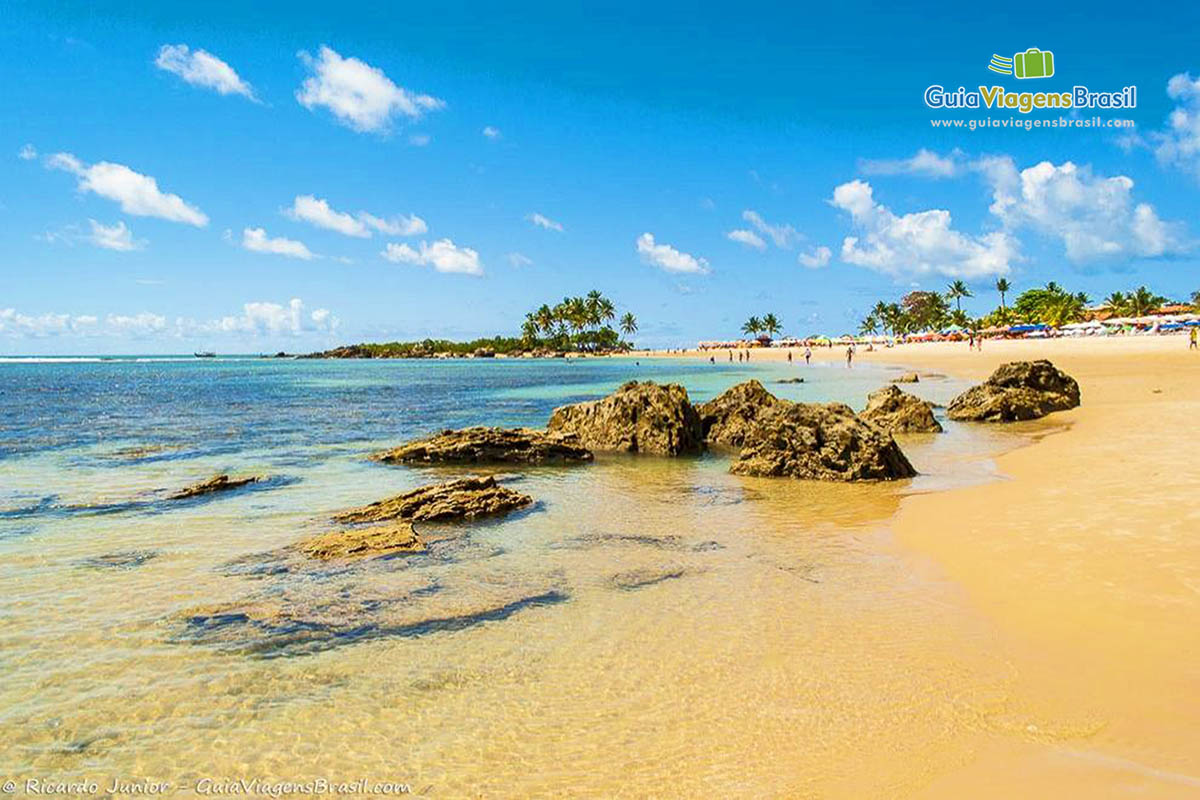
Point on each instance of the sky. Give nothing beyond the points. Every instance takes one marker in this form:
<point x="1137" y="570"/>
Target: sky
<point x="263" y="177"/>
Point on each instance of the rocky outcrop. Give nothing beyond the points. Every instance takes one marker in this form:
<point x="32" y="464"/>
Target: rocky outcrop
<point x="637" y="418"/>
<point x="897" y="411"/>
<point x="908" y="377"/>
<point x="490" y="446"/>
<point x="397" y="536"/>
<point x="729" y="416"/>
<point x="812" y="441"/>
<point x="219" y="483"/>
<point x="465" y="498"/>
<point x="790" y="380"/>
<point x="1019" y="390"/>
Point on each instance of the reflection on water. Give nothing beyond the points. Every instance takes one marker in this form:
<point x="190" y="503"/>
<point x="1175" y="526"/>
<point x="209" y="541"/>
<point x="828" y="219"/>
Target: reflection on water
<point x="651" y="627"/>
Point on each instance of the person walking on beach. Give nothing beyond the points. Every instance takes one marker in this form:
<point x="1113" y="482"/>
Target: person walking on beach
<point x="731" y="356"/>
<point x="789" y="356"/>
<point x="807" y="355"/>
<point x="849" y="356"/>
<point x="1193" y="344"/>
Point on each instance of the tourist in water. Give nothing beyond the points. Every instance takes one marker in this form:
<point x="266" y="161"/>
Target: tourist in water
<point x="807" y="355"/>
<point x="849" y="355"/>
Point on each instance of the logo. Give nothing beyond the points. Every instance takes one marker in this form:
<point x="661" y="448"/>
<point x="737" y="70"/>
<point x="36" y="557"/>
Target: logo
<point x="1033" y="63"/>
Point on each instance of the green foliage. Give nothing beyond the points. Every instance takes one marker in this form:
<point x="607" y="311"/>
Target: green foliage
<point x="577" y="323"/>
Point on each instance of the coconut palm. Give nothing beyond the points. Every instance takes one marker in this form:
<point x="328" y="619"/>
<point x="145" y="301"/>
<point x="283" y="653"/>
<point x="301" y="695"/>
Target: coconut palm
<point x="1003" y="287"/>
<point x="956" y="292"/>
<point x="1117" y="302"/>
<point x="628" y="323"/>
<point x="869" y="326"/>
<point x="1142" y="301"/>
<point x="752" y="326"/>
<point x="771" y="325"/>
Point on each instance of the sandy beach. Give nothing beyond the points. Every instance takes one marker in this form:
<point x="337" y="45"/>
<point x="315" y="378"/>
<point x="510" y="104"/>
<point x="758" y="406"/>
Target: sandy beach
<point x="1084" y="559"/>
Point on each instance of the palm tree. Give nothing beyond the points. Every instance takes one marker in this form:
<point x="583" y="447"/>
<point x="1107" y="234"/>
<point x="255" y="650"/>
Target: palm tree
<point x="770" y="324"/>
<point x="1003" y="287"/>
<point x="957" y="291"/>
<point x="752" y="326"/>
<point x="1142" y="301"/>
<point x="606" y="310"/>
<point x="869" y="326"/>
<point x="628" y="323"/>
<point x="1117" y="302"/>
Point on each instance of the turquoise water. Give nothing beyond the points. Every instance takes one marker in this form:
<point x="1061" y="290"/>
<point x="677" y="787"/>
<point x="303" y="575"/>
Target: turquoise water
<point x="640" y="603"/>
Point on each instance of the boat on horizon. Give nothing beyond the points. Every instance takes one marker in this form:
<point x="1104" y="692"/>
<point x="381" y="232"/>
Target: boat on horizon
<point x="206" y="354"/>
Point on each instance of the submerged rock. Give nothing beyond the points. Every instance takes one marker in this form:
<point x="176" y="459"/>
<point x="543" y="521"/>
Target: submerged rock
<point x="490" y="446"/>
<point x="729" y="416"/>
<point x="219" y="483"/>
<point x="646" y="576"/>
<point x="126" y="559"/>
<point x="396" y="537"/>
<point x="908" y="377"/>
<point x="790" y="380"/>
<point x="637" y="418"/>
<point x="812" y="441"/>
<point x="897" y="411"/>
<point x="465" y="498"/>
<point x="1019" y="390"/>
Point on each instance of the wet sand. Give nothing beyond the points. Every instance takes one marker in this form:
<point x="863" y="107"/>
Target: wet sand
<point x="1085" y="562"/>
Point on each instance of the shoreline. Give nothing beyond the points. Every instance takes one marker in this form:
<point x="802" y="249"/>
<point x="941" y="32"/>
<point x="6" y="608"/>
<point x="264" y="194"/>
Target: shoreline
<point x="1080" y="560"/>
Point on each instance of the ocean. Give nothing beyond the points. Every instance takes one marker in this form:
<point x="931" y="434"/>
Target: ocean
<point x="649" y="627"/>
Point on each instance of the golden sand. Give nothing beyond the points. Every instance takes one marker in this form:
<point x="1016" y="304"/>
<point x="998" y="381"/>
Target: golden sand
<point x="1086" y="560"/>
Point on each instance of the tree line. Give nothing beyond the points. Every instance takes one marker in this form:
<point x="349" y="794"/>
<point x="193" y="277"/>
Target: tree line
<point x="578" y="323"/>
<point x="1051" y="304"/>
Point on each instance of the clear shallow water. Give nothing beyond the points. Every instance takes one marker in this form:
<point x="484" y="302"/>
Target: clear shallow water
<point x="650" y="627"/>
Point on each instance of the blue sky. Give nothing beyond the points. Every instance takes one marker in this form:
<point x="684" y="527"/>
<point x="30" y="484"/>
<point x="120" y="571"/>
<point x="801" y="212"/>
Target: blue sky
<point x="289" y="176"/>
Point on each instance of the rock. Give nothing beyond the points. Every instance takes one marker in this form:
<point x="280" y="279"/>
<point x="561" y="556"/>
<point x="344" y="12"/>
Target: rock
<point x="727" y="417"/>
<point x="483" y="352"/>
<point x="465" y="498"/>
<point x="490" y="446"/>
<point x="396" y="537"/>
<point x="908" y="377"/>
<point x="219" y="483"/>
<point x="637" y="418"/>
<point x="812" y="441"/>
<point x="1018" y="390"/>
<point x="897" y="411"/>
<point x="790" y="380"/>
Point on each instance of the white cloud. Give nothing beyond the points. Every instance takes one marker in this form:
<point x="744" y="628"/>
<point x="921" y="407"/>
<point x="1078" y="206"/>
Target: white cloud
<point x="668" y="258"/>
<point x="269" y="319"/>
<point x="925" y="163"/>
<point x="519" y="260"/>
<point x="255" y="319"/>
<point x="818" y="258"/>
<point x="256" y="240"/>
<point x="136" y="193"/>
<point x="400" y="225"/>
<point x="27" y="153"/>
<point x="202" y="68"/>
<point x="318" y="212"/>
<point x="748" y="238"/>
<point x="114" y="237"/>
<point x="543" y="221"/>
<point x="491" y="133"/>
<point x="443" y="255"/>
<point x="918" y="244"/>
<point x="143" y="324"/>
<point x="1178" y="144"/>
<point x="359" y="95"/>
<point x="420" y="139"/>
<point x="781" y="235"/>
<point x="1095" y="217"/>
